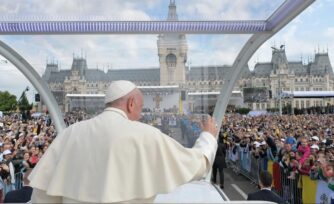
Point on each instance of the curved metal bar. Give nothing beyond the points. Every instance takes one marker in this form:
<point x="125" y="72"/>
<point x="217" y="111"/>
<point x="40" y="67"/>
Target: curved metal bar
<point x="131" y="27"/>
<point x="247" y="52"/>
<point x="29" y="72"/>
<point x="250" y="48"/>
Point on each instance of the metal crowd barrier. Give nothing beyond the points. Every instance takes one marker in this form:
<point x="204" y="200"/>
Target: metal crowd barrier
<point x="244" y="163"/>
<point x="18" y="180"/>
<point x="8" y="187"/>
<point x="289" y="189"/>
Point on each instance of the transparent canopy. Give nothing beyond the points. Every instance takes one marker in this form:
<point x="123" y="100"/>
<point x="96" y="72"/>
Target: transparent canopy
<point x="180" y="74"/>
<point x="188" y="58"/>
<point x="79" y="68"/>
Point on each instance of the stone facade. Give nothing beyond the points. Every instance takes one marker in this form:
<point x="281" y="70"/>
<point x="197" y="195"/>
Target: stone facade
<point x="283" y="75"/>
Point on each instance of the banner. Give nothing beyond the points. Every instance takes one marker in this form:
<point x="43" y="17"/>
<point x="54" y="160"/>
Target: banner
<point x="324" y="194"/>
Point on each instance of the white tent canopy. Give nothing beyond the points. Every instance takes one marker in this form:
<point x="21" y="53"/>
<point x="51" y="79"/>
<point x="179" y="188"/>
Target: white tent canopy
<point x="308" y="94"/>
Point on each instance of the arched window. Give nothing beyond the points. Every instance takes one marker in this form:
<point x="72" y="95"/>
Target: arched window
<point x="171" y="60"/>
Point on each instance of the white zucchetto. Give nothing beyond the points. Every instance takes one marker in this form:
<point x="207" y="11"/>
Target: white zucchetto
<point x="118" y="89"/>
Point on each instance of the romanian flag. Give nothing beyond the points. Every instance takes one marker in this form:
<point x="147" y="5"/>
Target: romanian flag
<point x="313" y="191"/>
<point x="277" y="176"/>
<point x="309" y="189"/>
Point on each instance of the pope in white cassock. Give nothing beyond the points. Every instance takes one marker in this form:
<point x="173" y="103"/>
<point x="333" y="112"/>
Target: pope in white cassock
<point x="114" y="158"/>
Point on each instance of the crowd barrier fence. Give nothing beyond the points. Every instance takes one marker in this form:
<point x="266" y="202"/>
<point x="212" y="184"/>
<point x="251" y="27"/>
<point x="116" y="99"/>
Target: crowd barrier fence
<point x="296" y="189"/>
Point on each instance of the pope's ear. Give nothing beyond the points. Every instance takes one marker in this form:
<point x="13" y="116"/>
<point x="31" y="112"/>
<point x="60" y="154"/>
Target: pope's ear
<point x="130" y="104"/>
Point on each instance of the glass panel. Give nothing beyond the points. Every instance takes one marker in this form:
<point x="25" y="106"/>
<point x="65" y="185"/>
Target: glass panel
<point x="25" y="126"/>
<point x="179" y="75"/>
<point x="78" y="69"/>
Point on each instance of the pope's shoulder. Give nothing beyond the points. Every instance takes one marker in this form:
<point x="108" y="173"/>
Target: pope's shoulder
<point x="140" y="126"/>
<point x="136" y="125"/>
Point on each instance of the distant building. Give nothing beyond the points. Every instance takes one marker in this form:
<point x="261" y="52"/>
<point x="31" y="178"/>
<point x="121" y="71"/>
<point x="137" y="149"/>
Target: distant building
<point x="174" y="86"/>
<point x="156" y="82"/>
<point x="283" y="75"/>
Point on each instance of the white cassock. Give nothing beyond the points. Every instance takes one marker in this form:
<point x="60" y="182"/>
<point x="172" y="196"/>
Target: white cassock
<point x="110" y="158"/>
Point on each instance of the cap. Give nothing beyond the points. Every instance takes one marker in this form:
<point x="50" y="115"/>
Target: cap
<point x="290" y="140"/>
<point x="263" y="143"/>
<point x="6" y="152"/>
<point x="315" y="138"/>
<point x="315" y="147"/>
<point x="118" y="89"/>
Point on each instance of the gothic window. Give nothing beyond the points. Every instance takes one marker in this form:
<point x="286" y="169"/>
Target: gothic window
<point x="171" y="60"/>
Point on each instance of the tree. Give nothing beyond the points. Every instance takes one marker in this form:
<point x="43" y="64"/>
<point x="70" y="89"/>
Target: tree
<point x="24" y="103"/>
<point x="243" y="111"/>
<point x="7" y="101"/>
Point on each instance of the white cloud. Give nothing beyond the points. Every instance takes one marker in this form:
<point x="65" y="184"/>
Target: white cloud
<point x="229" y="10"/>
<point x="329" y="32"/>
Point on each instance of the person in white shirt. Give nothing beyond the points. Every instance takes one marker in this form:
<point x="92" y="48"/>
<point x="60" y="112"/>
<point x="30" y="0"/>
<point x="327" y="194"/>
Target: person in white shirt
<point x="114" y="158"/>
<point x="7" y="160"/>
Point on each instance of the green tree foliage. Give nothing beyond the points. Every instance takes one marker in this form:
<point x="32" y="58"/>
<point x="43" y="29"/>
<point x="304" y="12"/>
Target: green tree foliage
<point x="243" y="111"/>
<point x="24" y="103"/>
<point x="7" y="101"/>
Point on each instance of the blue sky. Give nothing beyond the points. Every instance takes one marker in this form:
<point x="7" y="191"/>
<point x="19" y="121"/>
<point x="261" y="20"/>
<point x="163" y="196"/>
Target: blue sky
<point x="312" y="30"/>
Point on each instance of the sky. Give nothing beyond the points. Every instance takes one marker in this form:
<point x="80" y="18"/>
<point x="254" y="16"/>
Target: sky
<point x="310" y="32"/>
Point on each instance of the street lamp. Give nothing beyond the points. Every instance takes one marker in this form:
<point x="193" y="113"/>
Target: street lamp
<point x="25" y="90"/>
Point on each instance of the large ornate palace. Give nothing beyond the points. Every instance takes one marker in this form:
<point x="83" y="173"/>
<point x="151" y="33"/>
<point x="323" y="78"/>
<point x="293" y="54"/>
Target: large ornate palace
<point x="174" y="84"/>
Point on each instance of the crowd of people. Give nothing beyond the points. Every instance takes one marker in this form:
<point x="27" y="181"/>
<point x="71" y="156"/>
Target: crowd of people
<point x="22" y="144"/>
<point x="300" y="144"/>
